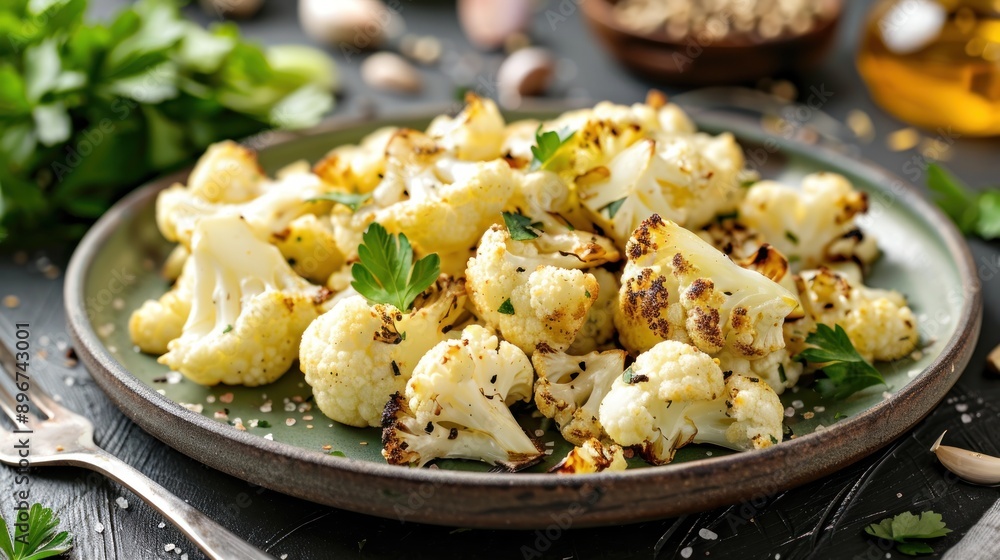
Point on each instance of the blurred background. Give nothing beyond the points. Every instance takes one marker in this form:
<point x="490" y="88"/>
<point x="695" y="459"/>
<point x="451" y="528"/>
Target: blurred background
<point x="904" y="79"/>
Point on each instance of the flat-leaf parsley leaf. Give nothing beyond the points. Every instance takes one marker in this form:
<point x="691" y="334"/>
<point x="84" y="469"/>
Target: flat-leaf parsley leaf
<point x="386" y="272"/>
<point x="846" y="371"/>
<point x="520" y="227"/>
<point x="906" y="526"/>
<point x="547" y="144"/>
<point x="41" y="540"/>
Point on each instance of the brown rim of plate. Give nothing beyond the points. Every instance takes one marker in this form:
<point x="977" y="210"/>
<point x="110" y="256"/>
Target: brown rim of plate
<point x="525" y="500"/>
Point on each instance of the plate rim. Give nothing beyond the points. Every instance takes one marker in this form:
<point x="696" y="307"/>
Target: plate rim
<point x="773" y="469"/>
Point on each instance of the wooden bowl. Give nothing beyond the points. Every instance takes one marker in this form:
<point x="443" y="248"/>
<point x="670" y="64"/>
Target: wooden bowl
<point x="698" y="61"/>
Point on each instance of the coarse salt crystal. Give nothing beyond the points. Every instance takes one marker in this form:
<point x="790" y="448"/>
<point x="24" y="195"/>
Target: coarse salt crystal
<point x="210" y="399"/>
<point x="289" y="407"/>
<point x="819" y="409"/>
<point x="99" y="527"/>
<point x="161" y="525"/>
<point x="686" y="552"/>
<point x="961" y="407"/>
<point x="269" y="436"/>
<point x="789" y="412"/>
<point x="798" y="404"/>
<point x="289" y="421"/>
<point x="707" y="534"/>
<point x="122" y="502"/>
<point x="266" y="407"/>
<point x="168" y="547"/>
<point x="966" y="419"/>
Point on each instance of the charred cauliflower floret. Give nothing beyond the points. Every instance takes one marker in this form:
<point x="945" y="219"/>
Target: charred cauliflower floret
<point x="678" y="287"/>
<point x="592" y="456"/>
<point x="455" y="405"/>
<point x="514" y="289"/>
<point x="248" y="311"/>
<point x="811" y="225"/>
<point x="569" y="389"/>
<point x="357" y="355"/>
<point x="879" y="323"/>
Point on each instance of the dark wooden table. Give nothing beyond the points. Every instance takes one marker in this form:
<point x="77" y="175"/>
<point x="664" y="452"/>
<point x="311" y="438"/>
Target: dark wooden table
<point x="822" y="520"/>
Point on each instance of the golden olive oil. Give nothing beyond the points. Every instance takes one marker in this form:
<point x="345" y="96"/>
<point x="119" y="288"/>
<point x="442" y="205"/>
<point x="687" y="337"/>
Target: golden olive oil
<point x="936" y="63"/>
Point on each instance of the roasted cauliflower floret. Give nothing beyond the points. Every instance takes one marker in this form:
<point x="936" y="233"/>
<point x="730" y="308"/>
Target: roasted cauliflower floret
<point x="309" y="246"/>
<point x="748" y="416"/>
<point x="590" y="457"/>
<point x="569" y="389"/>
<point x="647" y="406"/>
<point x="179" y="210"/>
<point x="248" y="312"/>
<point x="674" y="395"/>
<point x="687" y="179"/>
<point x="442" y="205"/>
<point x="226" y="173"/>
<point x="879" y="323"/>
<point x="455" y="405"/>
<point x="356" y="168"/>
<point x="811" y="225"/>
<point x="475" y="134"/>
<point x="157" y="322"/>
<point x="357" y="355"/>
<point x="544" y="199"/>
<point x="598" y="331"/>
<point x="678" y="287"/>
<point x="514" y="290"/>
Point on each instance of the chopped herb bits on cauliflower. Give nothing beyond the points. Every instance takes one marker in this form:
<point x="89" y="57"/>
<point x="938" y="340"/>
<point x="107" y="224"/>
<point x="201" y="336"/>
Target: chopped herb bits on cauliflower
<point x="540" y="303"/>
<point x="570" y="389"/>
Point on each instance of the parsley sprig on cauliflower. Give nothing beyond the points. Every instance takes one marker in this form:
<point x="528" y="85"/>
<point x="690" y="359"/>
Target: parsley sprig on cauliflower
<point x="609" y="271"/>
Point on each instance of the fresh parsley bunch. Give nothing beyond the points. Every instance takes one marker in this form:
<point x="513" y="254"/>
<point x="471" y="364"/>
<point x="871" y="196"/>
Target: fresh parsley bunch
<point x="88" y="110"/>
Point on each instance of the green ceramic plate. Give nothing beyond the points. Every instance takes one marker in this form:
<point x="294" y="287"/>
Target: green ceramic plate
<point x="293" y="448"/>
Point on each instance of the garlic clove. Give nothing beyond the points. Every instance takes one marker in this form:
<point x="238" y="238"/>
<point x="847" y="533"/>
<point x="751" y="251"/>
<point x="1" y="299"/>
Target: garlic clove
<point x="969" y="465"/>
<point x="391" y="72"/>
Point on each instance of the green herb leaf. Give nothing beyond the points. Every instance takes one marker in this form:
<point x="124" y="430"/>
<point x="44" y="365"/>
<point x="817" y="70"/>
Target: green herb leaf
<point x="613" y="207"/>
<point x="954" y="197"/>
<point x="906" y="527"/>
<point x="791" y="237"/>
<point x="350" y="200"/>
<point x="41" y="540"/>
<point x="746" y="184"/>
<point x="521" y="227"/>
<point x="547" y="145"/>
<point x="227" y="329"/>
<point x="507" y="308"/>
<point x="781" y="373"/>
<point x="263" y="424"/>
<point x="336" y="453"/>
<point x="627" y="375"/>
<point x="386" y="272"/>
<point x="847" y="372"/>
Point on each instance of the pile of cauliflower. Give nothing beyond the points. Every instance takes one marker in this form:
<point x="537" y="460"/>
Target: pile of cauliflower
<point x="659" y="300"/>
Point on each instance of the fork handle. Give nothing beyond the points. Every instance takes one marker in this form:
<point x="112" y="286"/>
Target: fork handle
<point x="213" y="539"/>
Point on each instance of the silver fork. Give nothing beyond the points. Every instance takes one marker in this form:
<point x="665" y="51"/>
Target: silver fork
<point x="66" y="438"/>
